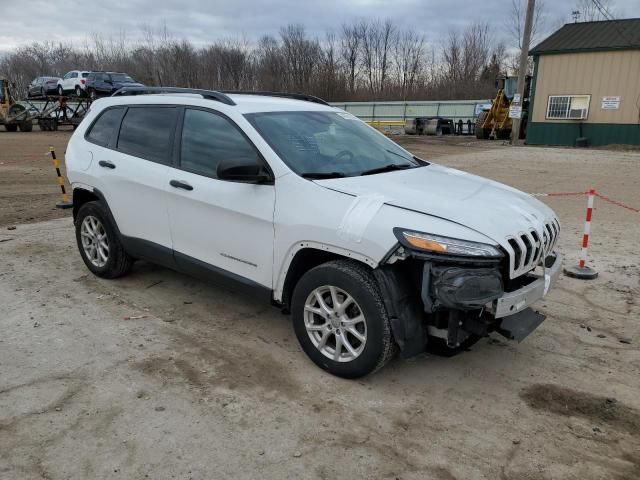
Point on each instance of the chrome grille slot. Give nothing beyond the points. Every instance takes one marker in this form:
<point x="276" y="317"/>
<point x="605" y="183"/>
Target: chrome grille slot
<point x="516" y="254"/>
<point x="528" y="256"/>
<point x="538" y="246"/>
<point x="528" y="248"/>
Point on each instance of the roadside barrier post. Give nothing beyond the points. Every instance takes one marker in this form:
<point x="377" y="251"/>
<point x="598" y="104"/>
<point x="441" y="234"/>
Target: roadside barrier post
<point x="581" y="271"/>
<point x="66" y="203"/>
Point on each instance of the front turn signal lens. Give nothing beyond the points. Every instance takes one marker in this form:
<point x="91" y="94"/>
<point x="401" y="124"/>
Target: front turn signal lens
<point x="429" y="242"/>
<point x="425" y="244"/>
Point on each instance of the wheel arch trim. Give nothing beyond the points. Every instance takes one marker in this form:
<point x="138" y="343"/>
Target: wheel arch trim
<point x="278" y="292"/>
<point x="101" y="197"/>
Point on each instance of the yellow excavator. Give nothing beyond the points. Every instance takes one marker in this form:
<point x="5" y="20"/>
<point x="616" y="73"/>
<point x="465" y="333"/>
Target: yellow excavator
<point x="13" y="115"/>
<point x="495" y="123"/>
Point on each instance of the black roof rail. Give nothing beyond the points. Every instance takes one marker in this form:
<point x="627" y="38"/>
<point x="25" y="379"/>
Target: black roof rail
<point x="208" y="94"/>
<point x="295" y="96"/>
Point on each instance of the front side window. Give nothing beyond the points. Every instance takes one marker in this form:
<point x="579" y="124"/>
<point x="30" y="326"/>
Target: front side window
<point x="147" y="132"/>
<point x="329" y="144"/>
<point x="105" y="126"/>
<point x="209" y="139"/>
<point x="121" y="77"/>
<point x="570" y="107"/>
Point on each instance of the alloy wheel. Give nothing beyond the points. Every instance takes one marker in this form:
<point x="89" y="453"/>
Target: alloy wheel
<point x="335" y="323"/>
<point x="95" y="242"/>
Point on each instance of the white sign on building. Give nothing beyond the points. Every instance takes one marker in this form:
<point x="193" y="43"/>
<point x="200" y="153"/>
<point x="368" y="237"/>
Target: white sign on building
<point x="610" y="103"/>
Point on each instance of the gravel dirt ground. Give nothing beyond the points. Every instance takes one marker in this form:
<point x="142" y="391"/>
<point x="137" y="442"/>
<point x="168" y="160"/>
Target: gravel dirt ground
<point x="201" y="383"/>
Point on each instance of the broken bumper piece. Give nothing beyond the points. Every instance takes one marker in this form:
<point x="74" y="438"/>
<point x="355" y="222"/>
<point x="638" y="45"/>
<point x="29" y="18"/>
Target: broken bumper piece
<point x="518" y="326"/>
<point x="519" y="300"/>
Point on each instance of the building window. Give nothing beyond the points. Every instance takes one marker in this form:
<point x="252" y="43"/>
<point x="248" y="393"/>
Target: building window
<point x="572" y="107"/>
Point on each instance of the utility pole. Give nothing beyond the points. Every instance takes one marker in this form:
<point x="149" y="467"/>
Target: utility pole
<point x="522" y="70"/>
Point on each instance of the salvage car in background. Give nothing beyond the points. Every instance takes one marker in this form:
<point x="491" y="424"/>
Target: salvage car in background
<point x="370" y="248"/>
<point x="43" y="86"/>
<point x="73" y="81"/>
<point x="100" y="84"/>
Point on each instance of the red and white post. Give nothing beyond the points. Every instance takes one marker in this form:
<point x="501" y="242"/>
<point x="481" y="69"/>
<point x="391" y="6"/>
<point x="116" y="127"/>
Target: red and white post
<point x="582" y="271"/>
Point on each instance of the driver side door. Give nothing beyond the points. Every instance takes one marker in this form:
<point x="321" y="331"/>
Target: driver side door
<point x="219" y="226"/>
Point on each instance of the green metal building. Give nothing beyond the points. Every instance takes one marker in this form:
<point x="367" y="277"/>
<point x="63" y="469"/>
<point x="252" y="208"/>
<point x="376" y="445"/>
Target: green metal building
<point x="586" y="83"/>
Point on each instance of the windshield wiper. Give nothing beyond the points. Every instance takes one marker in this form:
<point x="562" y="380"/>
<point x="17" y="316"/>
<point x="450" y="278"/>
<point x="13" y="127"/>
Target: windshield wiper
<point x="388" y="168"/>
<point x="321" y="175"/>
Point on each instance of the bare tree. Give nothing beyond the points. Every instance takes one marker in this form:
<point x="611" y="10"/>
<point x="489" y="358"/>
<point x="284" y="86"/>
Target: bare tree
<point x="408" y="61"/>
<point x="329" y="80"/>
<point x="349" y="54"/>
<point x="515" y="22"/>
<point x="377" y="40"/>
<point x="464" y="58"/>
<point x="300" y="54"/>
<point x="270" y="64"/>
<point x="365" y="60"/>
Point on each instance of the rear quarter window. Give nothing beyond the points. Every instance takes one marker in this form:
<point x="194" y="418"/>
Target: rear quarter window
<point x="147" y="132"/>
<point x="105" y="127"/>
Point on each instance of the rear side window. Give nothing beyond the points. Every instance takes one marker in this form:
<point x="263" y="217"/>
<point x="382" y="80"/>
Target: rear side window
<point x="147" y="132"/>
<point x="85" y="74"/>
<point x="208" y="139"/>
<point x="105" y="127"/>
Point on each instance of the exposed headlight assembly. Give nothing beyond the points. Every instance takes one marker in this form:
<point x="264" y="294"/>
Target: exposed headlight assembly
<point x="429" y="242"/>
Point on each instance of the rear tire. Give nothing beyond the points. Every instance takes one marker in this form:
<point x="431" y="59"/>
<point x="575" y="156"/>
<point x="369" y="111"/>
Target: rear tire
<point x="11" y="127"/>
<point x="362" y="323"/>
<point x="92" y="94"/>
<point x="94" y="227"/>
<point x="78" y="92"/>
<point x="26" y="126"/>
<point x="60" y="90"/>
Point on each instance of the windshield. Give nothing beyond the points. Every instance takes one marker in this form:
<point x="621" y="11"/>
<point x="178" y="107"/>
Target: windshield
<point x="121" y="77"/>
<point x="329" y="144"/>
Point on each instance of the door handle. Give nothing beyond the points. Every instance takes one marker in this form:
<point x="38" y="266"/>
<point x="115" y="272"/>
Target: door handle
<point x="180" y="184"/>
<point x="105" y="164"/>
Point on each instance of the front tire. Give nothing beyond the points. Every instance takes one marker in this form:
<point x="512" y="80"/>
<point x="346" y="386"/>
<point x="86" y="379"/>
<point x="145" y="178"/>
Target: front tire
<point x="99" y="243"/>
<point x="340" y="320"/>
<point x="92" y="94"/>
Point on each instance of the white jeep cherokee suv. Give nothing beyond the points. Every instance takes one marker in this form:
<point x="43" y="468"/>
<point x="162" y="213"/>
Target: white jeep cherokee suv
<point x="370" y="249"/>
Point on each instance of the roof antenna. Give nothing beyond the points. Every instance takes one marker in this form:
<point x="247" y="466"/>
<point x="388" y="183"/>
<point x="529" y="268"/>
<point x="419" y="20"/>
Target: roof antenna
<point x="576" y="15"/>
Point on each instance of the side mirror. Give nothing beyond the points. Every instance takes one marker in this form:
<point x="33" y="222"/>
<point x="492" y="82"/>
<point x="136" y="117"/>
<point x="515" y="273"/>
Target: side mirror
<point x="246" y="173"/>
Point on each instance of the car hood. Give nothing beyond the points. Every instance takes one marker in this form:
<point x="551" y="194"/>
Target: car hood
<point x="490" y="208"/>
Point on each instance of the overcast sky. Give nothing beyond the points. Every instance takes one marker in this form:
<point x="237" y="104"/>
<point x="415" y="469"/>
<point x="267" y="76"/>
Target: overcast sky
<point x="204" y="21"/>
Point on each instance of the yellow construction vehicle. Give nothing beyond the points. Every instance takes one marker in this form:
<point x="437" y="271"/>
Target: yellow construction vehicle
<point x="13" y="115"/>
<point x="495" y="123"/>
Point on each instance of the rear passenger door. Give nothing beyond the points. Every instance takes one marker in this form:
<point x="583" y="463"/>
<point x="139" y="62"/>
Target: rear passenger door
<point x="133" y="171"/>
<point x="226" y="225"/>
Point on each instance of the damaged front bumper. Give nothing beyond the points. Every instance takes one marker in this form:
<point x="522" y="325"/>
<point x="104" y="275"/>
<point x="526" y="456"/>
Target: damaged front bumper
<point x="513" y="302"/>
<point x="450" y="299"/>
